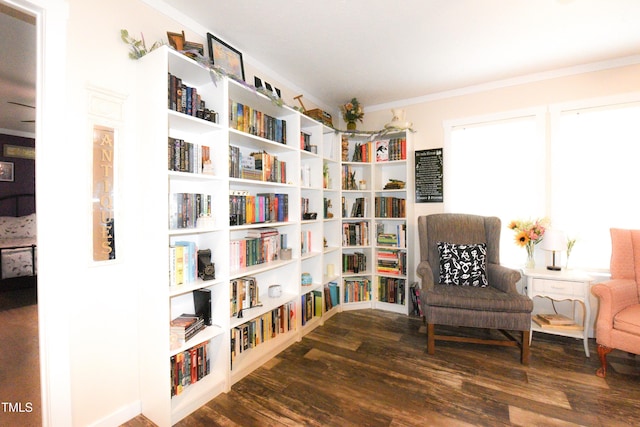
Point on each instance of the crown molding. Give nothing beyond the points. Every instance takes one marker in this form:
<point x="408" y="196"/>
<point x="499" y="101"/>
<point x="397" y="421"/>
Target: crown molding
<point x="498" y="84"/>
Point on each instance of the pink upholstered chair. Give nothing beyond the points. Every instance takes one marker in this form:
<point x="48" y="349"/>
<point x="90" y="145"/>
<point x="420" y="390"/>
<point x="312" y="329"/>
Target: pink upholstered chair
<point x="618" y="324"/>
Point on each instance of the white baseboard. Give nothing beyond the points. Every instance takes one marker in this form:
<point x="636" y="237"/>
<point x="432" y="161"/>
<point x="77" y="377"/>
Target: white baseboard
<point x="119" y="417"/>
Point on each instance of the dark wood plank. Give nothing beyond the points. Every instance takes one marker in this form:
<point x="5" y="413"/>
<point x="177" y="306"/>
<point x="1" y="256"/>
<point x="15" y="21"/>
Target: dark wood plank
<point x="371" y="368"/>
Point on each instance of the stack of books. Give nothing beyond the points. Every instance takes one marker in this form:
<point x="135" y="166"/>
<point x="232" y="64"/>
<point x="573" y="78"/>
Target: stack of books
<point x="555" y="321"/>
<point x="185" y="326"/>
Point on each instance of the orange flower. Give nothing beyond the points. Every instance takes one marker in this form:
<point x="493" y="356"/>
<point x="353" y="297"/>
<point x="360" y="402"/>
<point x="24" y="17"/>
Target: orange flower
<point x="522" y="238"/>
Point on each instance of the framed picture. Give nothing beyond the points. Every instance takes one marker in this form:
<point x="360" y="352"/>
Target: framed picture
<point x="6" y="171"/>
<point x="176" y="40"/>
<point x="19" y="151"/>
<point x="225" y="57"/>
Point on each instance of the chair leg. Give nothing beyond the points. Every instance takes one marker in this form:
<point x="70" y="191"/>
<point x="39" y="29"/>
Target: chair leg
<point x="431" y="338"/>
<point x="602" y="354"/>
<point x="524" y="351"/>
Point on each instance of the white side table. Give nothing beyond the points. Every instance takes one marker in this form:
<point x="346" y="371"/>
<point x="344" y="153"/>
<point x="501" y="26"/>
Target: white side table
<point x="562" y="285"/>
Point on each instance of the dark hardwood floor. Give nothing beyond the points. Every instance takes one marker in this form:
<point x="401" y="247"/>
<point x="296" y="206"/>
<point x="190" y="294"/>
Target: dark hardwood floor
<point x="370" y="368"/>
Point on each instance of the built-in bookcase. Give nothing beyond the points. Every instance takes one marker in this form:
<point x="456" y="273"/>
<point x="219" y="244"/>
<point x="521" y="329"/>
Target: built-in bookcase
<point x="376" y="211"/>
<point x="249" y="180"/>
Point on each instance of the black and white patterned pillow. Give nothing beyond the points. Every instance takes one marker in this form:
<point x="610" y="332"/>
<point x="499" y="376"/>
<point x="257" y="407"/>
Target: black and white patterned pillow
<point x="463" y="265"/>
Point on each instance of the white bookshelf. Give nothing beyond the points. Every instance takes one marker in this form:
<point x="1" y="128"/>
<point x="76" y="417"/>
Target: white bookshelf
<point x="160" y="302"/>
<point x="371" y="176"/>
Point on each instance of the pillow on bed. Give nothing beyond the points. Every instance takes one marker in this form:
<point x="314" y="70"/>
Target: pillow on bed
<point x="463" y="265"/>
<point x="16" y="227"/>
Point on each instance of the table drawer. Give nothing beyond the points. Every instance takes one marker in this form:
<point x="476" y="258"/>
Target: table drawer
<point x="558" y="287"/>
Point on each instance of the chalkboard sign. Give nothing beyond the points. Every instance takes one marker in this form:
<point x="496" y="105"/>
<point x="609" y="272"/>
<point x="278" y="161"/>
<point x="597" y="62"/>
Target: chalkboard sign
<point x="428" y="177"/>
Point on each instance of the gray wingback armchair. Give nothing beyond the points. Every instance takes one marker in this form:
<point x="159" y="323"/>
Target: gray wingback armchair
<point x="498" y="305"/>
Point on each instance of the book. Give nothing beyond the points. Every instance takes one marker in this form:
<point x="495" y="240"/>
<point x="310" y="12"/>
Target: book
<point x="555" y="319"/>
<point x="185" y="326"/>
<point x="382" y="150"/>
<point x="543" y="324"/>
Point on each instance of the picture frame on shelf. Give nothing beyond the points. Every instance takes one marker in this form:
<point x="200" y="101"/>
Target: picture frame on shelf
<point x="180" y="43"/>
<point x="266" y="86"/>
<point x="7" y="171"/>
<point x="176" y="40"/>
<point x="225" y="57"/>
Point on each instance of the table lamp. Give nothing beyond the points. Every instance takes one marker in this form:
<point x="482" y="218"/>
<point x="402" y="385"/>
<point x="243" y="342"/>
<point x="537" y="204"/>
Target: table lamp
<point x="554" y="241"/>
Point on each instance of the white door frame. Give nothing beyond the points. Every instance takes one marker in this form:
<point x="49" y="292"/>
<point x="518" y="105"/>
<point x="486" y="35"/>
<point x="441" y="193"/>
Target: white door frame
<point x="53" y="320"/>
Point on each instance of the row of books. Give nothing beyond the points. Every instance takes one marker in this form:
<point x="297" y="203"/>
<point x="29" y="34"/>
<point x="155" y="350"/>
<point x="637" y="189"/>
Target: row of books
<point x="185" y="327"/>
<point x="184" y="156"/>
<point x="187" y="100"/>
<point x="354" y="263"/>
<point x="262" y="329"/>
<point x="391" y="290"/>
<point x="331" y="295"/>
<point x="189" y="367"/>
<point x="355" y="233"/>
<point x="311" y="306"/>
<point x="359" y="208"/>
<point x="391" y="261"/>
<point x="183" y="263"/>
<point x="389" y="207"/>
<point x="356" y="289"/>
<point x="349" y="178"/>
<point x="391" y="149"/>
<point x="306" y="242"/>
<point x="363" y="152"/>
<point x="326" y="206"/>
<point x="257" y="166"/>
<point x="396" y="238"/>
<point x="249" y="120"/>
<point x="382" y="150"/>
<point x="245" y="208"/>
<point x="255" y="250"/>
<point x="304" y="206"/>
<point x="305" y="141"/>
<point x="244" y="293"/>
<point x="186" y="208"/>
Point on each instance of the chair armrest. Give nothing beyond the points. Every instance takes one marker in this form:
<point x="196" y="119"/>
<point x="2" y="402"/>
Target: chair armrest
<point x="426" y="273"/>
<point x="613" y="296"/>
<point x="503" y="278"/>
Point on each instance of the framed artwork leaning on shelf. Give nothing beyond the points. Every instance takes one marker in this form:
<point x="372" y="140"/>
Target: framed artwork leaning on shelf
<point x="225" y="57"/>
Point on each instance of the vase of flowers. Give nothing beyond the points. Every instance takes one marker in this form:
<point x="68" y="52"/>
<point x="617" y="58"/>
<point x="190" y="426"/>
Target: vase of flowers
<point x="528" y="235"/>
<point x="351" y="112"/>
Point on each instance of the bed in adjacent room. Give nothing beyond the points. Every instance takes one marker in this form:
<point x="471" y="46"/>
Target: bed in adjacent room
<point x="18" y="240"/>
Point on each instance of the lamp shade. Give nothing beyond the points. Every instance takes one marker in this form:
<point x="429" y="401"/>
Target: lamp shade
<point x="554" y="240"/>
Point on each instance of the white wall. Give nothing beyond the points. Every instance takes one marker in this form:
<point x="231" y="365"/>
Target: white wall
<point x="101" y="300"/>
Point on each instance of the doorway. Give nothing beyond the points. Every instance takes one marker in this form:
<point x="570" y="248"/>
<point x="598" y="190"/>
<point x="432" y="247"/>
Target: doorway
<point x="20" y="386"/>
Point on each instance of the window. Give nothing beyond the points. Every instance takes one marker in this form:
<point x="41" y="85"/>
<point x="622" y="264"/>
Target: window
<point x="582" y="174"/>
<point x="594" y="178"/>
<point x="496" y="167"/>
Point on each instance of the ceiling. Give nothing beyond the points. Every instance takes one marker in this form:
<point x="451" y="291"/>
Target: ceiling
<point x="382" y="51"/>
<point x="379" y="51"/>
